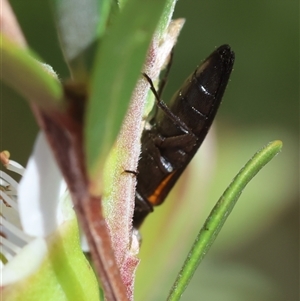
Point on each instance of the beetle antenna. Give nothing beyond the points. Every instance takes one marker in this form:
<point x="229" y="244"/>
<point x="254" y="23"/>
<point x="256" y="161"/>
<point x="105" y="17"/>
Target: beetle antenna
<point x="165" y="108"/>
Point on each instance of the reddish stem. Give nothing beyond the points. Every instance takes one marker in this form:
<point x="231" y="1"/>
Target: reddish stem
<point x="64" y="134"/>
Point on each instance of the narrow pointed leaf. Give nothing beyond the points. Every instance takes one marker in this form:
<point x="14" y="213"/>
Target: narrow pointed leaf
<point x="80" y="23"/>
<point x="219" y="214"/>
<point x="35" y="81"/>
<point x="119" y="62"/>
<point x="166" y="16"/>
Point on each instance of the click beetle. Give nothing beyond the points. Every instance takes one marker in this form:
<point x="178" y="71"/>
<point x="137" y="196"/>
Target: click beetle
<point x="175" y="132"/>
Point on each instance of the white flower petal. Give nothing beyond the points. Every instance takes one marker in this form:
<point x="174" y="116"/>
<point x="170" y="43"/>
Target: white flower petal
<point x="15" y="167"/>
<point x="14" y="230"/>
<point x="39" y="191"/>
<point x="8" y="180"/>
<point x="27" y="262"/>
<point x="8" y="200"/>
<point x="8" y="244"/>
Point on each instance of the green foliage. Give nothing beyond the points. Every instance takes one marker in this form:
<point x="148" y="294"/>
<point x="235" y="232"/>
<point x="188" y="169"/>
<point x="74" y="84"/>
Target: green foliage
<point x="118" y="64"/>
<point x="219" y="215"/>
<point x="120" y="49"/>
<point x="22" y="70"/>
<point x="80" y="24"/>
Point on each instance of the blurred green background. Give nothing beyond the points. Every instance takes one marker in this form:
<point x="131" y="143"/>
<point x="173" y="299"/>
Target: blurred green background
<point x="256" y="256"/>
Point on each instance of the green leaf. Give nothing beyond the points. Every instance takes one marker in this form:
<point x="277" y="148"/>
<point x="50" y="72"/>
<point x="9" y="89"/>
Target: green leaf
<point x="80" y="24"/>
<point x="21" y="70"/>
<point x="218" y="216"/>
<point x="166" y="16"/>
<point x="118" y="65"/>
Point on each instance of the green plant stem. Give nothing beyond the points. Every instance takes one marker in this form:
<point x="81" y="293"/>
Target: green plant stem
<point x="218" y="216"/>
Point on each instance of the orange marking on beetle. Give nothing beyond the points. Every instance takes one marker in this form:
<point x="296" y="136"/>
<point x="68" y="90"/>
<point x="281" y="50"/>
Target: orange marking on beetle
<point x="153" y="198"/>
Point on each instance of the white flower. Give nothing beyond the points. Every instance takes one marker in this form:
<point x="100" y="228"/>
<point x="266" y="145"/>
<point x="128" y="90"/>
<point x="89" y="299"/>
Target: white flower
<point x="28" y="219"/>
<point x="39" y="233"/>
<point x="40" y="191"/>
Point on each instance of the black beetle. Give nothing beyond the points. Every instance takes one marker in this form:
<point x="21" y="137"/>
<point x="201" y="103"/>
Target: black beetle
<point x="176" y="131"/>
